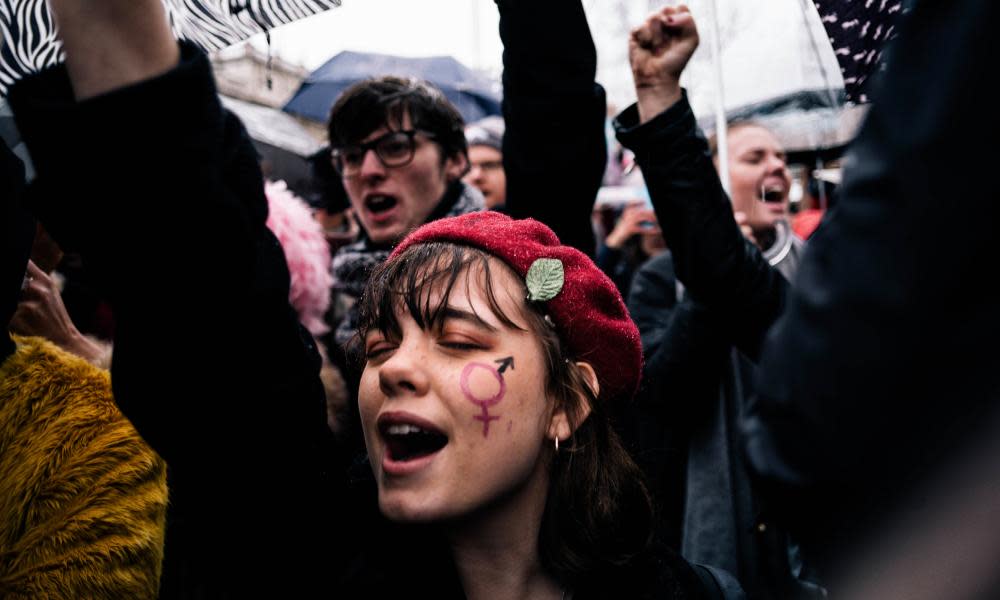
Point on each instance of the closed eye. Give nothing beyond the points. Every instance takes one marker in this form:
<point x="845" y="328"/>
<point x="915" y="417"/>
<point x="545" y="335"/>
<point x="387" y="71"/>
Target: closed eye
<point x="461" y="345"/>
<point x="460" y="341"/>
<point x="464" y="345"/>
<point x="378" y="350"/>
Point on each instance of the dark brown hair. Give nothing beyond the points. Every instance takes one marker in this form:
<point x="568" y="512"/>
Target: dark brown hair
<point x="383" y="101"/>
<point x="598" y="512"/>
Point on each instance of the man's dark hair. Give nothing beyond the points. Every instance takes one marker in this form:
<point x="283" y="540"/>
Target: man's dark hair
<point x="372" y="103"/>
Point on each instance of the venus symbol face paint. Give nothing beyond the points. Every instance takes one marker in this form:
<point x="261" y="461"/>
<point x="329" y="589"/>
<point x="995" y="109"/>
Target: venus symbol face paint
<point x="481" y="393"/>
<point x="451" y="424"/>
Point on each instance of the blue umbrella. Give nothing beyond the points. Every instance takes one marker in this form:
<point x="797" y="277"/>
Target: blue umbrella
<point x="471" y="94"/>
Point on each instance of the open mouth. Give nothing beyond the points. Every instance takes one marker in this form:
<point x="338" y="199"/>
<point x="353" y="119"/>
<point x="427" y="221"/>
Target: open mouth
<point x="772" y="194"/>
<point x="380" y="203"/>
<point x="406" y="441"/>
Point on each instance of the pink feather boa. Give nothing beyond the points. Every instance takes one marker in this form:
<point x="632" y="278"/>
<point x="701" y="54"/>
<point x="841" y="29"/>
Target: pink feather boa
<point x="307" y="254"/>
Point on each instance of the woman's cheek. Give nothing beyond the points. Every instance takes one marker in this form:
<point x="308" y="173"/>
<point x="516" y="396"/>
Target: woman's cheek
<point x="484" y="385"/>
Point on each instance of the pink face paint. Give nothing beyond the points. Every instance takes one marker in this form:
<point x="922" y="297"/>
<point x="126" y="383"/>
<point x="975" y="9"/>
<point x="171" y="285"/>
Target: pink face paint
<point x="483" y="402"/>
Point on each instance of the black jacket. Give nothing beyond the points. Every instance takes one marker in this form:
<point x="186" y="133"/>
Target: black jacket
<point x="554" y="146"/>
<point x="717" y="265"/>
<point x="886" y="360"/>
<point x="210" y="364"/>
<point x="699" y="374"/>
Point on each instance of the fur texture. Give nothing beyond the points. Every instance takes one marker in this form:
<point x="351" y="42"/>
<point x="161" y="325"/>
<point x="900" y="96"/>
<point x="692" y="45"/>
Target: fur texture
<point x="82" y="497"/>
<point x="306" y="252"/>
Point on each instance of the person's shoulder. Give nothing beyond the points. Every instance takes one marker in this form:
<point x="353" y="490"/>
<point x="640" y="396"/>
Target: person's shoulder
<point x="661" y="265"/>
<point x="38" y="363"/>
<point x="658" y="573"/>
<point x="655" y="276"/>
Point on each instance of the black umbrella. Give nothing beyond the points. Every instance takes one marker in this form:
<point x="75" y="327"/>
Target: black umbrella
<point x="858" y="32"/>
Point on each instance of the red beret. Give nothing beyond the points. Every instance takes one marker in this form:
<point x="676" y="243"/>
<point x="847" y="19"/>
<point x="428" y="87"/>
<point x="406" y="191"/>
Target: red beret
<point x="588" y="312"/>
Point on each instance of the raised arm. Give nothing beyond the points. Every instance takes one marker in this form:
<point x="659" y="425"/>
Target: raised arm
<point x="719" y="267"/>
<point x="210" y="364"/>
<point x="554" y="149"/>
<point x="113" y="43"/>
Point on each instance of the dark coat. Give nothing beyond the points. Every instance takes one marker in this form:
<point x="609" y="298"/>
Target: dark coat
<point x="718" y="266"/>
<point x="699" y="350"/>
<point x="886" y="362"/>
<point x="385" y="571"/>
<point x="210" y="364"/>
<point x="554" y="146"/>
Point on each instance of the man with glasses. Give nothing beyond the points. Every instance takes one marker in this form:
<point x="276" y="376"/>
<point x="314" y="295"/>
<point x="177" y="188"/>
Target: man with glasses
<point x="399" y="147"/>
<point x="401" y="151"/>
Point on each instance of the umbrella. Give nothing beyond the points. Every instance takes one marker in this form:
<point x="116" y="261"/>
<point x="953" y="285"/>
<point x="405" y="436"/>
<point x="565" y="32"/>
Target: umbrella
<point x="473" y="96"/>
<point x="273" y="127"/>
<point x="29" y="40"/>
<point x="284" y="146"/>
<point x="858" y="32"/>
<point x="795" y="68"/>
<point x="785" y="65"/>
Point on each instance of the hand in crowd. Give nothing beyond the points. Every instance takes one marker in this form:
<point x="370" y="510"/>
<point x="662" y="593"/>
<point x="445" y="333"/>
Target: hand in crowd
<point x="42" y="313"/>
<point x="659" y="49"/>
<point x="744" y="222"/>
<point x="635" y="219"/>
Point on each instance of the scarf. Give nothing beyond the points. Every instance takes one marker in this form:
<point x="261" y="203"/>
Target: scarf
<point x="353" y="264"/>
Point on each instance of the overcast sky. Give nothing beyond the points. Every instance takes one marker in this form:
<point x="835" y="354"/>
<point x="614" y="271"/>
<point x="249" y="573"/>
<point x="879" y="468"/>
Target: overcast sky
<point x="403" y="27"/>
<point x="769" y="50"/>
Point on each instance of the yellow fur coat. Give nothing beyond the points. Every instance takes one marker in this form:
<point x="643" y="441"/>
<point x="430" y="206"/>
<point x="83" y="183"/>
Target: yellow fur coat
<point x="82" y="498"/>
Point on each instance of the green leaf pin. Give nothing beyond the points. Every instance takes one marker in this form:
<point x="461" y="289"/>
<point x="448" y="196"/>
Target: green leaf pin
<point x="545" y="279"/>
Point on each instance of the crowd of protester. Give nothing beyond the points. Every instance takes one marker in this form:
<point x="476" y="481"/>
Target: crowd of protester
<point x="467" y="377"/>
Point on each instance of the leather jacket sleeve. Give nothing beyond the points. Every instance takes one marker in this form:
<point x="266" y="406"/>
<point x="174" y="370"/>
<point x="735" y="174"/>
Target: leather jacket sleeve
<point x="718" y="266"/>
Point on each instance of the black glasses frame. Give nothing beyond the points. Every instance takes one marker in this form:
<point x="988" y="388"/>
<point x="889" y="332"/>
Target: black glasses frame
<point x="378" y="145"/>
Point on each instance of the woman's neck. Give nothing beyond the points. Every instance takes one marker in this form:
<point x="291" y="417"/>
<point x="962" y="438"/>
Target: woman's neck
<point x="502" y="571"/>
<point x="496" y="550"/>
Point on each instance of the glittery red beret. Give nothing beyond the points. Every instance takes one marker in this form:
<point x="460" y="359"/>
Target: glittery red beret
<point x="588" y="312"/>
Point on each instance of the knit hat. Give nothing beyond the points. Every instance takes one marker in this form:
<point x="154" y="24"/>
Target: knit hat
<point x="487" y="131"/>
<point x="585" y="306"/>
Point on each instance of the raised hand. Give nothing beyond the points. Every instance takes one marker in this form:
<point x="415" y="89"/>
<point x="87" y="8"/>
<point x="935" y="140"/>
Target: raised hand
<point x="659" y="49"/>
<point x="41" y="313"/>
<point x="635" y="219"/>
